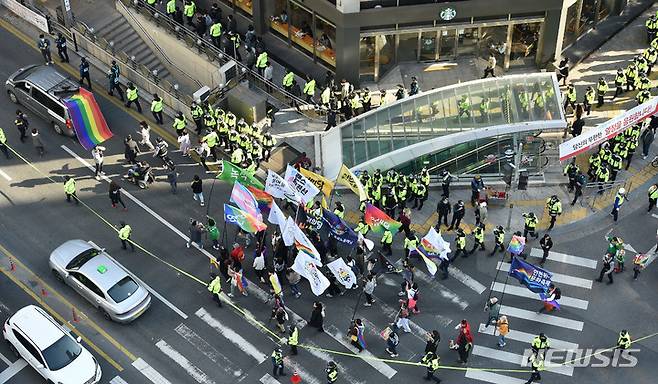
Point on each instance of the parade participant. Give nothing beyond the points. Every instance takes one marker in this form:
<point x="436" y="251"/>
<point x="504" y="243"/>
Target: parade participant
<point x="546" y="244"/>
<point x="553" y="294"/>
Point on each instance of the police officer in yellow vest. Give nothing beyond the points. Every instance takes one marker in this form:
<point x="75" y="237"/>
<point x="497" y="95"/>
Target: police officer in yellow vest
<point x="124" y="235"/>
<point x="171" y="8"/>
<point x="537" y="363"/>
<point x="570" y="97"/>
<point x="366" y="99"/>
<point x="653" y="196"/>
<point x="539" y="343"/>
<point x="332" y="372"/>
<point x="209" y="122"/>
<point x="420" y="195"/>
<point x="460" y="245"/>
<point x="197" y="116"/>
<point x="230" y="119"/>
<point x="624" y="340"/>
<point x="215" y="288"/>
<point x="478" y="238"/>
<point x="287" y="81"/>
<point x="499" y="239"/>
<point x="3" y="144"/>
<point x="277" y="363"/>
<point x="237" y="156"/>
<point x="216" y="33"/>
<point x="588" y="99"/>
<point x="132" y="96"/>
<point x="431" y="361"/>
<point x="363" y="228"/>
<point x="69" y="189"/>
<point x="530" y="225"/>
<point x="410" y="243"/>
<point x="601" y="89"/>
<point x="309" y="89"/>
<point x="156" y="108"/>
<point x="620" y="82"/>
<point x="261" y="63"/>
<point x="179" y="124"/>
<point x="554" y="207"/>
<point x="386" y="241"/>
<point x="293" y="339"/>
<point x="189" y="10"/>
<point x="211" y="139"/>
<point x="464" y="107"/>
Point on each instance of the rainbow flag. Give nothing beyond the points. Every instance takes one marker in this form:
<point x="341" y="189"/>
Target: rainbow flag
<point x="263" y="199"/>
<point x="244" y="220"/>
<point x="88" y="121"/>
<point x="516" y="245"/>
<point x="379" y="221"/>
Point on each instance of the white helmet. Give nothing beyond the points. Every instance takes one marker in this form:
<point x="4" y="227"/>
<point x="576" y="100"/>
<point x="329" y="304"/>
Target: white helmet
<point x="622" y="191"/>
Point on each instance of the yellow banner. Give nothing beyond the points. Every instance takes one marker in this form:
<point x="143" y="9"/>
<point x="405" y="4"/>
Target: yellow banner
<point x="323" y="184"/>
<point x="347" y="178"/>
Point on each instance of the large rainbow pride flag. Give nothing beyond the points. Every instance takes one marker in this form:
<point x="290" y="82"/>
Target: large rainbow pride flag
<point x="88" y="121"/>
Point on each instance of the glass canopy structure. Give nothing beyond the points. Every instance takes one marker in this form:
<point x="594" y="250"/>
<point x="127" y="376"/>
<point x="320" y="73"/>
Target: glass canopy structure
<point x="436" y="120"/>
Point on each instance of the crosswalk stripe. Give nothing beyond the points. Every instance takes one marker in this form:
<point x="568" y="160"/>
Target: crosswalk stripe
<point x="381" y="367"/>
<point x="268" y="379"/>
<point x="494" y="378"/>
<point x="564" y="258"/>
<point x="416" y="330"/>
<point x="118" y="380"/>
<point x="208" y="350"/>
<point x="307" y="377"/>
<point x="184" y="363"/>
<point x="149" y="372"/>
<point x="524" y="292"/>
<point x="558" y="278"/>
<point x="324" y="356"/>
<point x="466" y="279"/>
<point x="435" y="286"/>
<point x="541" y="318"/>
<point x="520" y="360"/>
<point x="12" y="370"/>
<point x="231" y="335"/>
<point x="527" y="337"/>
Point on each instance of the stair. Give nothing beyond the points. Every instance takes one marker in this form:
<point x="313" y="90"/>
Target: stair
<point x="116" y="29"/>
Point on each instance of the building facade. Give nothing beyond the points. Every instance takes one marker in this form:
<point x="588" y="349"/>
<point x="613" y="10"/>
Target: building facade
<point x="362" y="39"/>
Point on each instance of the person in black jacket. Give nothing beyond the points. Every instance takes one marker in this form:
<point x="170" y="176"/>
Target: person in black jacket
<point x="433" y="339"/>
<point x="443" y="209"/>
<point x="546" y="244"/>
<point x="317" y="316"/>
<point x="458" y="211"/>
<point x="554" y="294"/>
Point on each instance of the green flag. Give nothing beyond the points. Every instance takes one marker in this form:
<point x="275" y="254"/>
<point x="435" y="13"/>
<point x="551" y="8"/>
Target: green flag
<point x="231" y="172"/>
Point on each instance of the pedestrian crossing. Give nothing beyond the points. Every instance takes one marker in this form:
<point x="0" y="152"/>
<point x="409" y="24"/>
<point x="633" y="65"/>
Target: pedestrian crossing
<point x="522" y="306"/>
<point x="178" y="358"/>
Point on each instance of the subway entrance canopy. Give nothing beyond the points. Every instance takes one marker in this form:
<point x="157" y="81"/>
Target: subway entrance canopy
<point x="461" y="127"/>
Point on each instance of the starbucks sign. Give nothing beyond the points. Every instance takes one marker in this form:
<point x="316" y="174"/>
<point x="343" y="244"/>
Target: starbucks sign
<point x="448" y="14"/>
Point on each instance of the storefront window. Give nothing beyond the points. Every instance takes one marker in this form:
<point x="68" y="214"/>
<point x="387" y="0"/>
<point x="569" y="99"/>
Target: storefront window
<point x="367" y="58"/>
<point x="301" y="32"/>
<point x="525" y="38"/>
<point x="385" y="54"/>
<point x="279" y="21"/>
<point x="447" y="47"/>
<point x="325" y="44"/>
<point x="588" y="15"/>
<point x="408" y="47"/>
<point x="493" y="40"/>
<point x="428" y="46"/>
<point x="467" y="42"/>
<point x="245" y="6"/>
<point x="581" y="17"/>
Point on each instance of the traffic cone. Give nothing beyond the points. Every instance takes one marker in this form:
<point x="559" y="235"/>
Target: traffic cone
<point x="295" y="378"/>
<point x="44" y="293"/>
<point x="75" y="316"/>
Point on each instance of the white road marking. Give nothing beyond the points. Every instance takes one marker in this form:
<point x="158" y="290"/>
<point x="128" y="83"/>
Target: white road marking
<point x="541" y="318"/>
<point x="5" y="175"/>
<point x="652" y="257"/>
<point x="392" y="313"/>
<point x="509" y="357"/>
<point x="324" y="356"/>
<point x="208" y="350"/>
<point x="12" y="370"/>
<point x="231" y="336"/>
<point x="154" y="376"/>
<point x="466" y="280"/>
<point x="5" y="360"/>
<point x="559" y="278"/>
<point x="184" y="363"/>
<point x="564" y="258"/>
<point x="654" y="216"/>
<point x="268" y="379"/>
<point x="118" y="380"/>
<point x="148" y="288"/>
<point x="629" y="248"/>
<point x="491" y="377"/>
<point x="306" y="376"/>
<point x="527" y="338"/>
<point x="379" y="366"/>
<point x="435" y="287"/>
<point x="524" y="292"/>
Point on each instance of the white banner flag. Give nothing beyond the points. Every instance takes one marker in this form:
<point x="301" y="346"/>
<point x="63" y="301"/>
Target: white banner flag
<point x="276" y="186"/>
<point x="304" y="242"/>
<point x="343" y="273"/>
<point x="276" y="216"/>
<point x="307" y="267"/>
<point x="608" y="129"/>
<point x="303" y="186"/>
<point x="288" y="232"/>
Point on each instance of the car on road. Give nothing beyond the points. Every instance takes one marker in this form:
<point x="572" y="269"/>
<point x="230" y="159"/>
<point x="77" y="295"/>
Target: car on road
<point x="106" y="284"/>
<point x="42" y="89"/>
<point x="49" y="348"/>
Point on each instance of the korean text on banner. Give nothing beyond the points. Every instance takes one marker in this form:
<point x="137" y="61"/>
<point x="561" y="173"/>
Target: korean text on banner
<point x="303" y="186"/>
<point x="608" y="130"/>
<point x="534" y="278"/>
<point x="348" y="179"/>
<point x="277" y="186"/>
<point x="323" y="184"/>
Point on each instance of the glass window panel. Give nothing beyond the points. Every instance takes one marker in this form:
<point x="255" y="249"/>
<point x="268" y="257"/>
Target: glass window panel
<point x="325" y="45"/>
<point x="279" y="21"/>
<point x="360" y="154"/>
<point x="367" y="58"/>
<point x="428" y="48"/>
<point x="348" y="153"/>
<point x="386" y="46"/>
<point x="409" y="114"/>
<point x="467" y="42"/>
<point x="301" y="32"/>
<point x="525" y="38"/>
<point x="493" y="41"/>
<point x="373" y="147"/>
<point x="447" y="43"/>
<point x="408" y="47"/>
<point x="245" y="6"/>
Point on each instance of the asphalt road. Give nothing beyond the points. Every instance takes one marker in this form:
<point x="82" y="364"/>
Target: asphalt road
<point x="189" y="340"/>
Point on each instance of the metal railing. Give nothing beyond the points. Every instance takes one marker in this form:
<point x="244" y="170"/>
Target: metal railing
<point x="602" y="191"/>
<point x="205" y="46"/>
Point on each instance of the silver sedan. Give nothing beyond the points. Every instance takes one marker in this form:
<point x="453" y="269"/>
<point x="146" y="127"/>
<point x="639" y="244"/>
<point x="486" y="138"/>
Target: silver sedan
<point x="105" y="283"/>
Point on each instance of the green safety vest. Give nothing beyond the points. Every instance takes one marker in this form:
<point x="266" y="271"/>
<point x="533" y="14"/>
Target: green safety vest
<point x="500" y="236"/>
<point x="124" y="233"/>
<point x="179" y="124"/>
<point x="332" y="375"/>
<point x="209" y="121"/>
<point x="277" y="358"/>
<point x="571" y="94"/>
<point x="288" y="78"/>
<point x="261" y="62"/>
<point x="197" y="112"/>
<point x="69" y="186"/>
<point x="554" y="208"/>
<point x="215" y="285"/>
<point x="189" y="9"/>
<point x="461" y="242"/>
<point x="602" y="87"/>
<point x="211" y="139"/>
<point x="216" y="30"/>
<point x="624" y="340"/>
<point x="339" y="213"/>
<point x="531" y="222"/>
<point x="538" y="344"/>
<point x="171" y="7"/>
<point x="309" y="87"/>
<point x="131" y="94"/>
<point x="294" y="337"/>
<point x="620" y="79"/>
<point x="478" y="234"/>
<point x="363" y="228"/>
<point x="484" y="106"/>
<point x="151" y="2"/>
<point x="156" y="105"/>
<point x="653" y="192"/>
<point x="3" y="138"/>
<point x="387" y="238"/>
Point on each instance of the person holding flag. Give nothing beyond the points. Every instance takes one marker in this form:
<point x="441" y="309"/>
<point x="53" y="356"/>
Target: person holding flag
<point x="550" y="299"/>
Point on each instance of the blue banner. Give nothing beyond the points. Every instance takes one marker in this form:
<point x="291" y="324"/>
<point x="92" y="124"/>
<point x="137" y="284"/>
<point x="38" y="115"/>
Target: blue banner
<point x="338" y="229"/>
<point x="534" y="278"/>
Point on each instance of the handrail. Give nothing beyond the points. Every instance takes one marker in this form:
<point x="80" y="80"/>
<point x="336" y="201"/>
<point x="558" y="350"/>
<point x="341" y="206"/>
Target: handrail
<point x="162" y="55"/>
<point x="266" y="86"/>
<point x="461" y="156"/>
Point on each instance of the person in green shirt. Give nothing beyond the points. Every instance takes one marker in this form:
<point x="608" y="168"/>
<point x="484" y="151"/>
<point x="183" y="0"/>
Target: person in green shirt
<point x="213" y="233"/>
